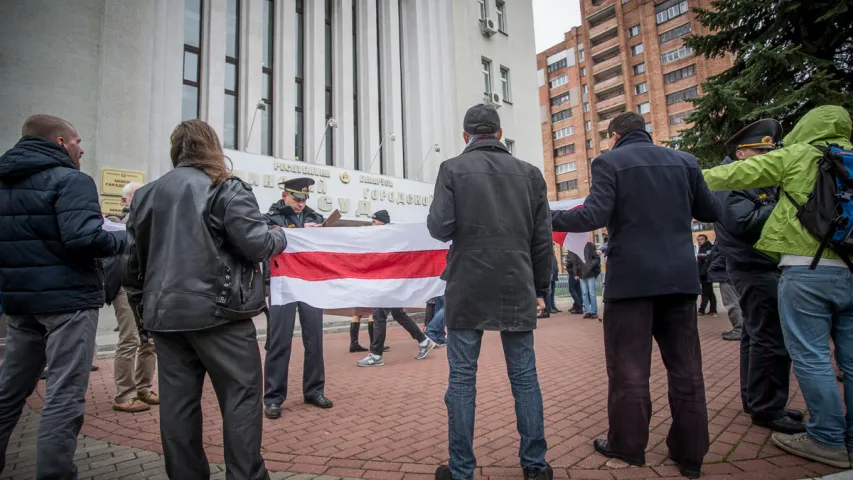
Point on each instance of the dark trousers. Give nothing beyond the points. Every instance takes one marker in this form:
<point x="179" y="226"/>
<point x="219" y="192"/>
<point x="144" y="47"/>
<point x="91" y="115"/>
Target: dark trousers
<point x="709" y="298"/>
<point x="765" y="366"/>
<point x="549" y="299"/>
<point x="279" y="343"/>
<point x="66" y="341"/>
<point x="229" y="355"/>
<point x="575" y="292"/>
<point x="380" y="326"/>
<point x="629" y="326"/>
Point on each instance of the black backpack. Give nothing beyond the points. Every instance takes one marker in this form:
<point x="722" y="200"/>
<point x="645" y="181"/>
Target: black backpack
<point x="828" y="212"/>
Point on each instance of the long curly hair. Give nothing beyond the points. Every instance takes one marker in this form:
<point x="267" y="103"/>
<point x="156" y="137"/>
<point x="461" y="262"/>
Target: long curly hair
<point x="195" y="143"/>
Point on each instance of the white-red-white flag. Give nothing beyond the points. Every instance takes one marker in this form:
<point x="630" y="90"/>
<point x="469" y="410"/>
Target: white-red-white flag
<point x="389" y="266"/>
<point x="573" y="242"/>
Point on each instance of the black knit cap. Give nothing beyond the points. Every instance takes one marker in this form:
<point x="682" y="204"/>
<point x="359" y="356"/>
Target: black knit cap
<point x="382" y="216"/>
<point x="482" y="120"/>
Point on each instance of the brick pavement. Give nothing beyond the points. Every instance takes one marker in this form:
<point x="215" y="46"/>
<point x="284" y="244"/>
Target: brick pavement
<point x="390" y="422"/>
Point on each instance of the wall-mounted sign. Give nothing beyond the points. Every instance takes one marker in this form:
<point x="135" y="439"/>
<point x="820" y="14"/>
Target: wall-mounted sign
<point x="114" y="180"/>
<point x="111" y="206"/>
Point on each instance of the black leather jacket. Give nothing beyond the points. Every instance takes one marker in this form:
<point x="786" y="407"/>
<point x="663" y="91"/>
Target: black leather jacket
<point x="284" y="216"/>
<point x="194" y="251"/>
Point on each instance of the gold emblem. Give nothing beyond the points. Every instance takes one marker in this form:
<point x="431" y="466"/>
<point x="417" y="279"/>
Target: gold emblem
<point x="304" y="189"/>
<point x="344" y="177"/>
<point x="767" y="140"/>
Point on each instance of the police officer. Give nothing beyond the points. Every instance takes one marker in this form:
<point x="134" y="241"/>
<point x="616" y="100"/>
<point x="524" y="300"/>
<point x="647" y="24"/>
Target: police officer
<point x="765" y="366"/>
<point x="291" y="212"/>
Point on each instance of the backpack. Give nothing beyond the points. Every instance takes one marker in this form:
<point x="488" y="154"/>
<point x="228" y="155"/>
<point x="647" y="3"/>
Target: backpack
<point x="828" y="212"/>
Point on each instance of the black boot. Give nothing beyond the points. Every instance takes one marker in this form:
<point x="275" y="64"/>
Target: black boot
<point x="354" y="329"/>
<point x="370" y="334"/>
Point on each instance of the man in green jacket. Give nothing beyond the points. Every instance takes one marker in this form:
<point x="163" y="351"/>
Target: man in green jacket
<point x="815" y="305"/>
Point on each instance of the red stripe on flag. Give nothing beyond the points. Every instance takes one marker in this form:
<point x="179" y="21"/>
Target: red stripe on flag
<point x="318" y="266"/>
<point x="559" y="237"/>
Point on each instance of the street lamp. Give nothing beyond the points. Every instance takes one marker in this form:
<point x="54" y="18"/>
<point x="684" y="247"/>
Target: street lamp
<point x="435" y="148"/>
<point x="386" y="137"/>
<point x="332" y="123"/>
<point x="260" y="106"/>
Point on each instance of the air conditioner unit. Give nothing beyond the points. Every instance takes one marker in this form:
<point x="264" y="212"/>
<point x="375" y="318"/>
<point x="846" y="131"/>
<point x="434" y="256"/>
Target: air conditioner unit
<point x="493" y="100"/>
<point x="488" y="27"/>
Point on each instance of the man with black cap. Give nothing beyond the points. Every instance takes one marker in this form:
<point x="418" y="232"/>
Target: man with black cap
<point x="765" y="366"/>
<point x="647" y="195"/>
<point x="380" y="322"/>
<point x="291" y="212"/>
<point x="498" y="273"/>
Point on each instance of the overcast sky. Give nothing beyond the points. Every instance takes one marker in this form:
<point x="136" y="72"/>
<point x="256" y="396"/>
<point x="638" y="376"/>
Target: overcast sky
<point x="552" y="18"/>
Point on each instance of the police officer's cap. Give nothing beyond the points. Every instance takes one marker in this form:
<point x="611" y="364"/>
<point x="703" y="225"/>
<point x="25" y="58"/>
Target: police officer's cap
<point x="761" y="135"/>
<point x="382" y="216"/>
<point x="298" y="187"/>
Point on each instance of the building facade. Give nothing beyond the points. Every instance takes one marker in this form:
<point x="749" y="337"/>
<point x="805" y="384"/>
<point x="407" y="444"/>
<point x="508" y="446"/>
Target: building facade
<point x="371" y="91"/>
<point x="629" y="55"/>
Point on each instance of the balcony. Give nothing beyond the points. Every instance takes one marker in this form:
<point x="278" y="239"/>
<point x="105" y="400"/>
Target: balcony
<point x="603" y="124"/>
<point x="606" y="65"/>
<point x="604" y="145"/>
<point x="610" y="104"/>
<point x="606" y="45"/>
<point x="597" y="14"/>
<point x="605" y="85"/>
<point x="600" y="32"/>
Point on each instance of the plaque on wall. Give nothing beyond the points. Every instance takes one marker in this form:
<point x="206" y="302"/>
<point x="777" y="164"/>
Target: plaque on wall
<point x="111" y="206"/>
<point x="114" y="180"/>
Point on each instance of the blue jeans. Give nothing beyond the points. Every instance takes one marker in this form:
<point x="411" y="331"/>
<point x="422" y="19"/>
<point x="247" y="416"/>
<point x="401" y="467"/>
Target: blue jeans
<point x="590" y="301"/>
<point x="463" y="351"/>
<point x="435" y="329"/>
<point x="816" y="306"/>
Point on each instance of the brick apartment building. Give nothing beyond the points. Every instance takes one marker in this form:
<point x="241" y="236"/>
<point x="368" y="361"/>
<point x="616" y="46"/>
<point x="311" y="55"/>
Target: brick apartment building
<point x="629" y="55"/>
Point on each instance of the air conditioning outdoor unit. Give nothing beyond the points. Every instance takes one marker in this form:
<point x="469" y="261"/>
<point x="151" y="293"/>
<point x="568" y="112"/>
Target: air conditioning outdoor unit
<point x="493" y="100"/>
<point x="488" y="27"/>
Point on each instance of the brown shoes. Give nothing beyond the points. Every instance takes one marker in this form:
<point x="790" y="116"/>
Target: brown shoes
<point x="132" y="406"/>
<point x="150" y="398"/>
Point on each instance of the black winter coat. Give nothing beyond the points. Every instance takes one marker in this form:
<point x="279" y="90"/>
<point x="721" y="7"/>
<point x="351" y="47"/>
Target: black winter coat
<point x="717" y="266"/>
<point x="742" y="216"/>
<point x="51" y="233"/>
<point x="591" y="261"/>
<point x="500" y="259"/>
<point x="194" y="252"/>
<point x="703" y="260"/>
<point x="284" y="216"/>
<point x="647" y="197"/>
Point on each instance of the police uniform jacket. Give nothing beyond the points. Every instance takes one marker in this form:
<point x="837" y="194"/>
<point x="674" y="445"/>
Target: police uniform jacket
<point x="283" y="216"/>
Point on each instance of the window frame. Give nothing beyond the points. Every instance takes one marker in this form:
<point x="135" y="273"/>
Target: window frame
<point x="500" y="13"/>
<point x="679" y="74"/>
<point x="569" y="168"/>
<point x="635" y="52"/>
<point x="644" y="86"/>
<point x="662" y="39"/>
<point x="560" y="115"/>
<point x="634" y="68"/>
<point x="631" y="30"/>
<point x="482" y="10"/>
<point x="648" y="107"/>
<point x="669" y="10"/>
<point x="560" y="152"/>
<point x="487" y="75"/>
<point x="235" y="61"/>
<point x="676" y="54"/>
<point x="506" y="85"/>
<point x="195" y="50"/>
<point x="682" y="95"/>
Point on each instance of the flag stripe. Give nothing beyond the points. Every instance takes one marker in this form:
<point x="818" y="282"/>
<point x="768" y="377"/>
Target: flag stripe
<point x="399" y="237"/>
<point x="349" y="292"/>
<point x="318" y="266"/>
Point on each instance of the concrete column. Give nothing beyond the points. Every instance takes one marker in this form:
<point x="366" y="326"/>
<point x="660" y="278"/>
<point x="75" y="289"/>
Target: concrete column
<point x="251" y="65"/>
<point x="368" y="85"/>
<point x="212" y="109"/>
<point x="315" y="81"/>
<point x="342" y="81"/>
<point x="284" y="86"/>
<point x="391" y="94"/>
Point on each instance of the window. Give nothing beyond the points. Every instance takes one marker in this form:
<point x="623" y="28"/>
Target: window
<point x="681" y="52"/>
<point x="675" y="138"/>
<point x="581" y="55"/>
<point x="558" y="65"/>
<point x="567" y="185"/>
<point x="637" y="49"/>
<point x="560" y="99"/>
<point x="677" y="75"/>
<point x="564" y="132"/>
<point x="587" y="125"/>
<point x="585" y="89"/>
<point x="505" y="85"/>
<point x="559" y="81"/>
<point x="267" y="79"/>
<point x="670" y="9"/>
<point x="299" y="131"/>
<point x="481" y="9"/>
<point x="676" y="32"/>
<point x="682" y="95"/>
<point x="510" y="145"/>
<point x="589" y="144"/>
<point x="500" y="13"/>
<point x="649" y="127"/>
<point x="586" y="107"/>
<point x="644" y="108"/>
<point x="679" y="118"/>
<point x="641" y="88"/>
<point x="329" y="137"/>
<point x="356" y="158"/>
<point x="232" y="73"/>
<point x="192" y="59"/>
<point x="634" y="31"/>
<point x="639" y="68"/>
<point x="564" y="150"/>
<point x="487" y="76"/>
<point x="566" y="168"/>
<point x="561" y="115"/>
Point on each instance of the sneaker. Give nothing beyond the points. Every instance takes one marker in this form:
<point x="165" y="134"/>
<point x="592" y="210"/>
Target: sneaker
<point x="731" y="336"/>
<point x="802" y="445"/>
<point x="423" y="350"/>
<point x="371" y="361"/>
<point x="150" y="398"/>
<point x="132" y="406"/>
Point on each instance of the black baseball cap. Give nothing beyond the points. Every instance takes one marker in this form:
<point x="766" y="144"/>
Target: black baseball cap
<point x="481" y="120"/>
<point x="382" y="216"/>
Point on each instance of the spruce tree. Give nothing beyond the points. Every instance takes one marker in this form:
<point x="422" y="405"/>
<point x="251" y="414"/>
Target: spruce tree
<point x="789" y="57"/>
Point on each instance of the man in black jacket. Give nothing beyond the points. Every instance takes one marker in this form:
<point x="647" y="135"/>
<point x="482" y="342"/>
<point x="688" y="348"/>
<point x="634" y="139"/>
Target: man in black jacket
<point x="765" y="366"/>
<point x="589" y="274"/>
<point x="574" y="265"/>
<point x="709" y="298"/>
<point x="51" y="236"/>
<point x="498" y="271"/>
<point x="292" y="212"/>
<point x="646" y="196"/>
<point x="195" y="242"/>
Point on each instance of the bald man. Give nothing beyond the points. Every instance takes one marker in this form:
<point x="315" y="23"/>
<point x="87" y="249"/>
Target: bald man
<point x="52" y="236"/>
